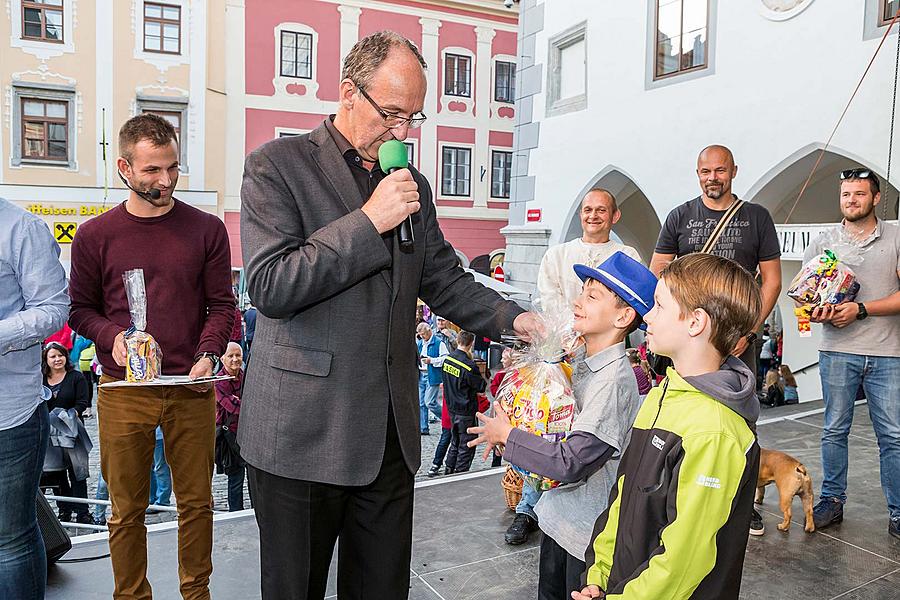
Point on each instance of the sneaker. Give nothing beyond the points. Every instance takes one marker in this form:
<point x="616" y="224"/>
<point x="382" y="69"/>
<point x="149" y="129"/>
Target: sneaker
<point x="894" y="528"/>
<point x="756" y="524"/>
<point x="518" y="532"/>
<point x="99" y="520"/>
<point x="434" y="471"/>
<point x="828" y="512"/>
<point x="425" y="432"/>
<point x="449" y="471"/>
<point x="64" y="517"/>
<point x="85" y="519"/>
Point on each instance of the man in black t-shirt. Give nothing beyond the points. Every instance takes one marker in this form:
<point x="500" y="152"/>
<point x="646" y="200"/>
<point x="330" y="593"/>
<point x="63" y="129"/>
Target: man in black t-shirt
<point x="749" y="239"/>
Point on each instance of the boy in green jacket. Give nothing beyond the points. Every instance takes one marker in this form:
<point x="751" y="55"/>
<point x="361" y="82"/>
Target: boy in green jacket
<point x="677" y="518"/>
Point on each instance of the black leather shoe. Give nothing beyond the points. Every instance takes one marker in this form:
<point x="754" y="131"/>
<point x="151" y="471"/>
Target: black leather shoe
<point x="518" y="532"/>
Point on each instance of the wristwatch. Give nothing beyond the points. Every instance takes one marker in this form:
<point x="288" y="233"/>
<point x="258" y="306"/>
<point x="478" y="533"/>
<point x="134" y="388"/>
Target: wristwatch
<point x="863" y="313"/>
<point x="210" y="356"/>
<point x="751" y="337"/>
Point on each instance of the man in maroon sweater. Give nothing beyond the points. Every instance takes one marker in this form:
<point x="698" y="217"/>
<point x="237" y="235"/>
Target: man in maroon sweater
<point x="190" y="311"/>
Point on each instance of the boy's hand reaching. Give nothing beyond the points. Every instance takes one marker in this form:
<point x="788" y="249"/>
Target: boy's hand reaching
<point x="493" y="430"/>
<point x="590" y="591"/>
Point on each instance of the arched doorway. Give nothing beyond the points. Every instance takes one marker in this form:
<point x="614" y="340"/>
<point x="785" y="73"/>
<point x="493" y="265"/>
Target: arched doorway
<point x="639" y="226"/>
<point x="818" y="208"/>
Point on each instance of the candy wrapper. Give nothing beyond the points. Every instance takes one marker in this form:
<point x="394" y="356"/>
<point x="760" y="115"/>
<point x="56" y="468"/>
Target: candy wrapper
<point x="143" y="356"/>
<point x="536" y="393"/>
<point x="827" y="278"/>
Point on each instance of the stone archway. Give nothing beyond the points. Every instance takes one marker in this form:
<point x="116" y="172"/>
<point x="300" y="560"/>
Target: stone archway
<point x="639" y="226"/>
<point x="778" y="188"/>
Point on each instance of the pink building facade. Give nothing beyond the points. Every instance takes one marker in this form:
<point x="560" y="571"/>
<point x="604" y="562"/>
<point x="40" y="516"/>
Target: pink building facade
<point x="292" y="52"/>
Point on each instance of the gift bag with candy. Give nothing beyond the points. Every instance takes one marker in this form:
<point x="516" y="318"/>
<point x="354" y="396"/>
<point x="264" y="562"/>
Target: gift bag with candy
<point x="536" y="393"/>
<point x="827" y="278"/>
<point x="143" y="356"/>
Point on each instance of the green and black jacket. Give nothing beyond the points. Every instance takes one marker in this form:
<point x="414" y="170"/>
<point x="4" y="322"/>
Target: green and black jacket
<point x="677" y="520"/>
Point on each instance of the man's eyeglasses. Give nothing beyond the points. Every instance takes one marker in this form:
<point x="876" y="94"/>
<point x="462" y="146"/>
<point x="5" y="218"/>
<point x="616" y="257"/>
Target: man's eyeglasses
<point x="856" y="174"/>
<point x="392" y="120"/>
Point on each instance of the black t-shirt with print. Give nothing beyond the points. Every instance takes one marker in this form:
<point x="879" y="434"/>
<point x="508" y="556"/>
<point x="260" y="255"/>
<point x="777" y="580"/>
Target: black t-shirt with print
<point x="748" y="240"/>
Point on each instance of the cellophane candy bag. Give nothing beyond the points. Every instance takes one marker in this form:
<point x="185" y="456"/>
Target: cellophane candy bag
<point x="143" y="356"/>
<point x="536" y="392"/>
<point x="827" y="278"/>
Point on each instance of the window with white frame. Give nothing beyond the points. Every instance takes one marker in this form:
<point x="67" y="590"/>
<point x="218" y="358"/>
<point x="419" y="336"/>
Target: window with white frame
<point x="162" y="28"/>
<point x="457" y="75"/>
<point x="176" y="114"/>
<point x="42" y="20"/>
<point x="411" y="153"/>
<point x="296" y="54"/>
<point x="43" y="126"/>
<point x="501" y="172"/>
<point x="567" y="74"/>
<point x="505" y="81"/>
<point x="456" y="171"/>
<point x="681" y="36"/>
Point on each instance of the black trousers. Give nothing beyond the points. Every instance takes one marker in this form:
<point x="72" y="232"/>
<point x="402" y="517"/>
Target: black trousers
<point x="459" y="456"/>
<point x="560" y="572"/>
<point x="299" y="522"/>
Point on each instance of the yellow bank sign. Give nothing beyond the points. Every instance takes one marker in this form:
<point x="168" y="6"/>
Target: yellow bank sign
<point x="83" y="210"/>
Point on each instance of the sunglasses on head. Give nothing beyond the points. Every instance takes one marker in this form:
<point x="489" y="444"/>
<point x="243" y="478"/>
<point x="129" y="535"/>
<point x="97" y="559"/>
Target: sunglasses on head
<point x="856" y="174"/>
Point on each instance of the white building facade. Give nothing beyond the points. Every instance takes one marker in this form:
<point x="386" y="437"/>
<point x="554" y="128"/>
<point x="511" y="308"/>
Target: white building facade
<point x="624" y="95"/>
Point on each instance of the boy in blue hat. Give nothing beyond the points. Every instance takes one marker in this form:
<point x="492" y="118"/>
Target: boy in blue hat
<point x="614" y="298"/>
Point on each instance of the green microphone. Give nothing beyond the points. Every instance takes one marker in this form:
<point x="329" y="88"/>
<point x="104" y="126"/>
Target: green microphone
<point x="391" y="157"/>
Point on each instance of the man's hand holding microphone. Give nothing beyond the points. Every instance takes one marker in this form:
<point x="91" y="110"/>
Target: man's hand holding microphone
<point x="395" y="199"/>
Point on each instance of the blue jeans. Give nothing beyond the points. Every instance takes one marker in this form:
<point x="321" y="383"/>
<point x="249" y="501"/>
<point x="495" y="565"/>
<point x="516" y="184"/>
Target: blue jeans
<point x="841" y="376"/>
<point x="429" y="400"/>
<point x="442" y="446"/>
<point x="530" y="497"/>
<point x="160" y="476"/>
<point x="102" y="494"/>
<point x="23" y="559"/>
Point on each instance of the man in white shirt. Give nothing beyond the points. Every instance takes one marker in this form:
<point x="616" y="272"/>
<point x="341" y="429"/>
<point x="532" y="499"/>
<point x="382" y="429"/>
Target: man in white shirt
<point x="557" y="283"/>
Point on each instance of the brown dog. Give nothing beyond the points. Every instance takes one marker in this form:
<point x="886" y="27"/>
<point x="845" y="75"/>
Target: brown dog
<point x="791" y="479"/>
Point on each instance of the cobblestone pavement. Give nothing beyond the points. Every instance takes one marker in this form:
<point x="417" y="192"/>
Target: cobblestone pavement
<point x="220" y="482"/>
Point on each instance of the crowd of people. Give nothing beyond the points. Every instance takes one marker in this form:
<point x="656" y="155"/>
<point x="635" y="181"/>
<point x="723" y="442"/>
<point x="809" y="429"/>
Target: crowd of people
<point x="673" y="420"/>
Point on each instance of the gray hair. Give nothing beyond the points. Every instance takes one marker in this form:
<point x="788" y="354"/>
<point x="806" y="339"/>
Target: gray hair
<point x="368" y="53"/>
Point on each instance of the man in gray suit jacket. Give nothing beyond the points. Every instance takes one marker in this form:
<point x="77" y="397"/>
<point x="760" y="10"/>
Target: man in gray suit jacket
<point x="330" y="415"/>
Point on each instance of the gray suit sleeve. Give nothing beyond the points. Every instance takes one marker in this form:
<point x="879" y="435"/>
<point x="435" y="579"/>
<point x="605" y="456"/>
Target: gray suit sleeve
<point x="451" y="292"/>
<point x="285" y="271"/>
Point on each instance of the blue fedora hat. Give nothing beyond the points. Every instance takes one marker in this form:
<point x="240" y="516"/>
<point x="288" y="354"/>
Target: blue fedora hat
<point x="627" y="278"/>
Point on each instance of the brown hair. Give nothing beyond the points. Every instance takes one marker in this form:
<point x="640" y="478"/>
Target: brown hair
<point x="464" y="339"/>
<point x="773" y="379"/>
<point x="788" y="376"/>
<point x="146" y="126"/>
<point x="45" y="367"/>
<point x="368" y="53"/>
<point x="723" y="289"/>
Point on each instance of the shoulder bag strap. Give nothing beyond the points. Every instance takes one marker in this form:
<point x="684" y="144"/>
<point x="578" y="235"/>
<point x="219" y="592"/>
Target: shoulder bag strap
<point x="721" y="226"/>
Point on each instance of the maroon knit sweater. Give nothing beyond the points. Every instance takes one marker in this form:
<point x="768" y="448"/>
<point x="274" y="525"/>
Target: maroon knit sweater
<point x="187" y="271"/>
